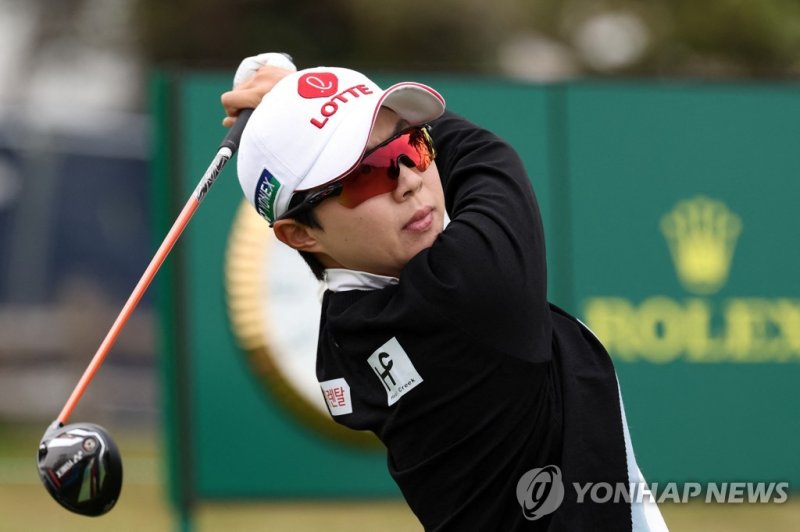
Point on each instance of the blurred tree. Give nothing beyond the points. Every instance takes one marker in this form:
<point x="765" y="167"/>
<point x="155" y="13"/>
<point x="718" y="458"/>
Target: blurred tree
<point x="214" y="33"/>
<point x="415" y="34"/>
<point x="711" y="38"/>
<point x="759" y="38"/>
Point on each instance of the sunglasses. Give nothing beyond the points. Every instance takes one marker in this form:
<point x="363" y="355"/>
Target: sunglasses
<point x="377" y="173"/>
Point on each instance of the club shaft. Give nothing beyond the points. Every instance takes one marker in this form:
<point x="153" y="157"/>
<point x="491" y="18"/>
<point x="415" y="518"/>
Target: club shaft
<point x="219" y="161"/>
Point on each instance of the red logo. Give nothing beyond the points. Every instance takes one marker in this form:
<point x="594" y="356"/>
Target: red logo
<point x="317" y="85"/>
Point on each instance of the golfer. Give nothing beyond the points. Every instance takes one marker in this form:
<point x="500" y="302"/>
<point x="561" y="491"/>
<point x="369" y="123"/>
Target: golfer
<point x="436" y="333"/>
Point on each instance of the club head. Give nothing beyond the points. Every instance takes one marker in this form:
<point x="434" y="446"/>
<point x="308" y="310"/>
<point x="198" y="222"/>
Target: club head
<point x="81" y="467"/>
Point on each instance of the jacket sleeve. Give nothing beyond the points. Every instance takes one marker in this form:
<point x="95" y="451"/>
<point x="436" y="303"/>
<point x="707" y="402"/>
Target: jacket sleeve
<point x="488" y="267"/>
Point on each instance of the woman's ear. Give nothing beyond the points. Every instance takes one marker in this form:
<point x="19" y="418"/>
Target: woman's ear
<point x="296" y="235"/>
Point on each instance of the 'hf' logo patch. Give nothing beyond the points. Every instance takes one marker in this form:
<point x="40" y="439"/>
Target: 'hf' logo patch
<point x="395" y="370"/>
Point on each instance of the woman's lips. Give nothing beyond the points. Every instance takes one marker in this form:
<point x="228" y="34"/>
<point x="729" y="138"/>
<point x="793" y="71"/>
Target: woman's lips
<point x="421" y="221"/>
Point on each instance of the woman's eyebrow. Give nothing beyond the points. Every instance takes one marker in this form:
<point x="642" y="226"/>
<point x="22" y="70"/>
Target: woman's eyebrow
<point x="399" y="127"/>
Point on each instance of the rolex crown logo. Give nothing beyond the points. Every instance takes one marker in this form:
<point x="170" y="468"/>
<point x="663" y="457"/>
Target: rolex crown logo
<point x="701" y="234"/>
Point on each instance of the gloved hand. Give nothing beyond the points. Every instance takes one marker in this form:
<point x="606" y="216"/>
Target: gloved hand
<point x="254" y="78"/>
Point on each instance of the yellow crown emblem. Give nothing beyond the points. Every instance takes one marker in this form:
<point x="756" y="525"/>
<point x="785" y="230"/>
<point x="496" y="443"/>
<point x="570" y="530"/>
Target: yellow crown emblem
<point x="701" y="234"/>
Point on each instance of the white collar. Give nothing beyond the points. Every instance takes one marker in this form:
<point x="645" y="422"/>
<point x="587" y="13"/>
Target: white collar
<point x="341" y="280"/>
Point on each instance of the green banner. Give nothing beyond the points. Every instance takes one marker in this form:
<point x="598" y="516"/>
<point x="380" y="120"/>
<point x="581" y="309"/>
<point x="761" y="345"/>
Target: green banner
<point x="683" y="204"/>
<point x="671" y="225"/>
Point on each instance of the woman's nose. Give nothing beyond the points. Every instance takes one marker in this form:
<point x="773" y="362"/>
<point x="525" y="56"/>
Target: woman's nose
<point x="409" y="180"/>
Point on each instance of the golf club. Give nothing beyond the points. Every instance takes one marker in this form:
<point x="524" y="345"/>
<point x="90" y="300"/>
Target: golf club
<point x="80" y="464"/>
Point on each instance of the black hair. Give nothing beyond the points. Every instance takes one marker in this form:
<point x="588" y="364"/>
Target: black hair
<point x="309" y="219"/>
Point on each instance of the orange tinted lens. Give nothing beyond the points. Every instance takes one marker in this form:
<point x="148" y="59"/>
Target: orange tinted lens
<point x="378" y="172"/>
<point x="365" y="182"/>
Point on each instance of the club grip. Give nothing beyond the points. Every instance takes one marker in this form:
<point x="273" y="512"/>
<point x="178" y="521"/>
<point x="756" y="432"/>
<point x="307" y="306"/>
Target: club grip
<point x="231" y="140"/>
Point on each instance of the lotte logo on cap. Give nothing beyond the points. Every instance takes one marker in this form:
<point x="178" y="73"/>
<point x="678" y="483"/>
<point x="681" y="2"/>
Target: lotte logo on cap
<point x="317" y="85"/>
<point x="322" y="84"/>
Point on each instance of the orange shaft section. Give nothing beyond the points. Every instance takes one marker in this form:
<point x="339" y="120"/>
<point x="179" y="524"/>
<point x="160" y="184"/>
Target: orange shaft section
<point x="141" y="287"/>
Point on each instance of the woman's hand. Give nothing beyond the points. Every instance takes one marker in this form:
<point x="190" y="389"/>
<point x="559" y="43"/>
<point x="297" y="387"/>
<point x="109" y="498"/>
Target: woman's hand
<point x="254" y="78"/>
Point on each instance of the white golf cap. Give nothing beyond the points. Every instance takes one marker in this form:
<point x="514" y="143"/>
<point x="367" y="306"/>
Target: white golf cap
<point x="312" y="128"/>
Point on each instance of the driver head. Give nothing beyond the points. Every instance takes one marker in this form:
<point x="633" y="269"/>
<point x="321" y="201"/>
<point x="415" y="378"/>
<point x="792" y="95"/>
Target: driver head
<point x="81" y="467"/>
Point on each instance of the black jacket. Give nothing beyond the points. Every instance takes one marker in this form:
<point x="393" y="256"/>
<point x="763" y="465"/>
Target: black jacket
<point x="466" y="373"/>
